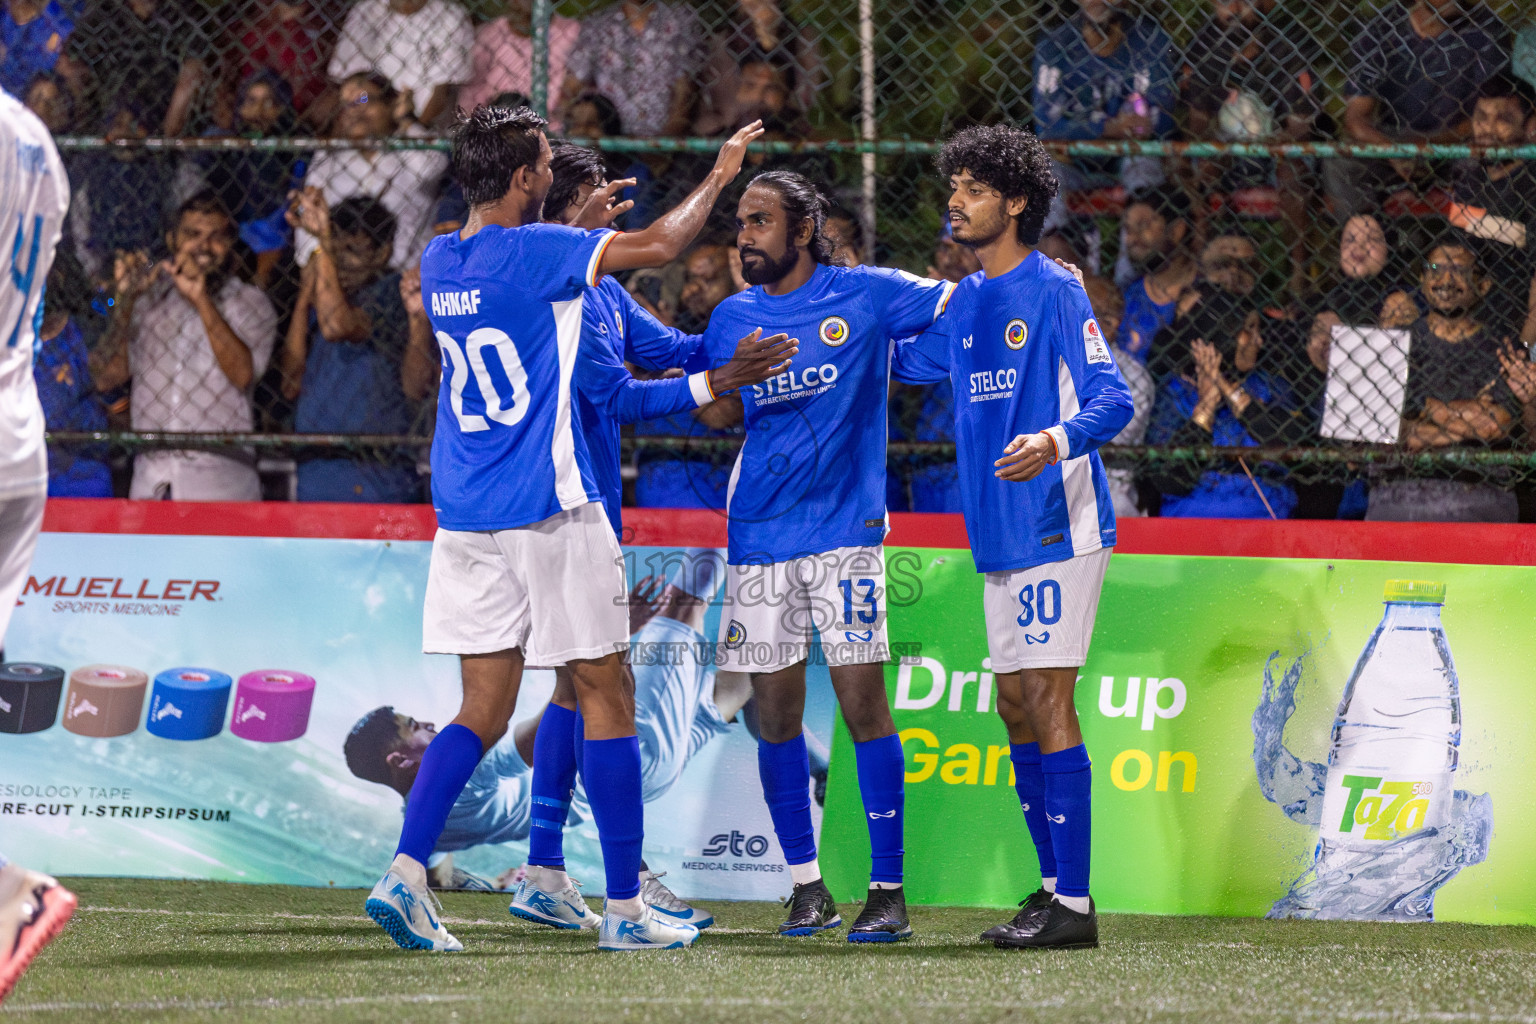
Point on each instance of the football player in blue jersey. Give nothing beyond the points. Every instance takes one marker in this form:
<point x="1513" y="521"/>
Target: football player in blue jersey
<point x="615" y="330"/>
<point x="524" y="556"/>
<point x="1036" y="393"/>
<point x="807" y="521"/>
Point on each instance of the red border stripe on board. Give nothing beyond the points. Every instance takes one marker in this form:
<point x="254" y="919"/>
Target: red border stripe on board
<point x="1468" y="543"/>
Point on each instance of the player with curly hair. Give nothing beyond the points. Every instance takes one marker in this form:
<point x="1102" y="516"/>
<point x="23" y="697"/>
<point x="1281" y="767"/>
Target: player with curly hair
<point x="1041" y="393"/>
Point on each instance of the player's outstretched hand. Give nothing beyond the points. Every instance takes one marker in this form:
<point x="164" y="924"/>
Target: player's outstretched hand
<point x="1025" y="456"/>
<point x="1070" y="268"/>
<point x="757" y="358"/>
<point x="728" y="163"/>
<point x="600" y="210"/>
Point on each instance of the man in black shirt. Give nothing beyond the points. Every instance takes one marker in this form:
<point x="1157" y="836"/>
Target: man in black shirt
<point x="1416" y="70"/>
<point x="150" y="54"/>
<point x="1457" y="395"/>
<point x="1494" y="205"/>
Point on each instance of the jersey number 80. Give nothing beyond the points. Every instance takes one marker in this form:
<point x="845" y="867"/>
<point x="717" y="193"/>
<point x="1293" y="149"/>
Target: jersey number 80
<point x="507" y="408"/>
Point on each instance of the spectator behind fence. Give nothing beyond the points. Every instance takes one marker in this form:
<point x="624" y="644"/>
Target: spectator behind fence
<point x="1252" y="73"/>
<point x="594" y="116"/>
<point x="759" y="40"/>
<point x="1156" y="229"/>
<point x="194" y="339"/>
<point x="290" y="38"/>
<point x="32" y="35"/>
<point x="1219" y="396"/>
<point x="846" y="234"/>
<point x="1493" y="205"/>
<point x="404" y="180"/>
<point x="150" y="54"/>
<point x="64" y="385"/>
<point x="644" y="56"/>
<point x="122" y="196"/>
<point x="1108" y="309"/>
<point x="1414" y="75"/>
<point x="503" y="55"/>
<point x="1457" y="395"/>
<point x="421" y="46"/>
<point x="1223" y="291"/>
<point x="50" y="99"/>
<point x="254" y="183"/>
<point x="1104" y="74"/>
<point x="343" y="356"/>
<point x="762" y="92"/>
<point x="697" y="479"/>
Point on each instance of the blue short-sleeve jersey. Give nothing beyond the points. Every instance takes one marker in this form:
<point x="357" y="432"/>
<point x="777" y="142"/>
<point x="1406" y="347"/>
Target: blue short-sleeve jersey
<point x="811" y="475"/>
<point x="1025" y="355"/>
<point x="506" y="307"/>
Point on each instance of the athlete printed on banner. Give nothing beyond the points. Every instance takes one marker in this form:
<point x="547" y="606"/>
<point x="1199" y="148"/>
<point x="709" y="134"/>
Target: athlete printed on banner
<point x="807" y="520"/>
<point x="1037" y="392"/>
<point x="33" y="201"/>
<point x="524" y="556"/>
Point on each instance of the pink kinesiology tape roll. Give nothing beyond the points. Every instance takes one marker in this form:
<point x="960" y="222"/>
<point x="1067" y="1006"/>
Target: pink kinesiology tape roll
<point x="272" y="705"/>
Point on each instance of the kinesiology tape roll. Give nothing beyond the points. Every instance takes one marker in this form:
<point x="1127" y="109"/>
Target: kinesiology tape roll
<point x="29" y="696"/>
<point x="104" y="700"/>
<point x="188" y="703"/>
<point x="272" y="705"/>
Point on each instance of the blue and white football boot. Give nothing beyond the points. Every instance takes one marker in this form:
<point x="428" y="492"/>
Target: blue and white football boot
<point x="410" y="914"/>
<point x="564" y="909"/>
<point x="665" y="902"/>
<point x="652" y="931"/>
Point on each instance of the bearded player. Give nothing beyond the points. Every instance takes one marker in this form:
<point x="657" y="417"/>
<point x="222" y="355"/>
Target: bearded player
<point x="34" y="197"/>
<point x="1036" y="393"/>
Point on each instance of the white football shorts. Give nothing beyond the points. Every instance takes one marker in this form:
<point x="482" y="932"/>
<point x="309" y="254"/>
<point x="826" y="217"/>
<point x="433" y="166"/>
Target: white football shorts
<point x="1042" y="617"/>
<point x="773" y="612"/>
<point x="556" y="587"/>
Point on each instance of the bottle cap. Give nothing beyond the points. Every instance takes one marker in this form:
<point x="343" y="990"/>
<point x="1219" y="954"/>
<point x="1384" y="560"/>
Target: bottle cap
<point x="1415" y="592"/>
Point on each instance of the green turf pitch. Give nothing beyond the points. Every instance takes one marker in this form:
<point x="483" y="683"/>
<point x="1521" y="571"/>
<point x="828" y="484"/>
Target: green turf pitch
<point x="183" y="951"/>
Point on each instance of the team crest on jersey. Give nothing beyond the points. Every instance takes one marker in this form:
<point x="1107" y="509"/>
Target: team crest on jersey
<point x="1093" y="342"/>
<point x="1015" y="334"/>
<point x="834" y="331"/>
<point x="735" y="635"/>
<point x="618" y="322"/>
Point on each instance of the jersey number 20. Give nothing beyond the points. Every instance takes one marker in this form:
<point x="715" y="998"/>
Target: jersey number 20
<point x="505" y="408"/>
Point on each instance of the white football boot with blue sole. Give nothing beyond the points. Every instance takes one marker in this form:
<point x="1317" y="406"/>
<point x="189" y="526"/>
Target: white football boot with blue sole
<point x="652" y="931"/>
<point x="564" y="909"/>
<point x="410" y="914"/>
<point x="665" y="902"/>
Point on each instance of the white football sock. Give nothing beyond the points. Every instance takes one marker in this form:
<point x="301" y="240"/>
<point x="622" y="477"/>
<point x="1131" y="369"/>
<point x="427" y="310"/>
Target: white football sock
<point x="885" y="885"/>
<point x="410" y="869"/>
<point x="1077" y="903"/>
<point x="800" y="874"/>
<point x="629" y="909"/>
<point x="547" y="879"/>
<point x="1049" y="884"/>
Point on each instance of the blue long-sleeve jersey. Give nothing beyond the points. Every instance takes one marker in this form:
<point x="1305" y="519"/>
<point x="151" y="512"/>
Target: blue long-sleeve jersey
<point x="616" y="329"/>
<point x="1026" y="355"/>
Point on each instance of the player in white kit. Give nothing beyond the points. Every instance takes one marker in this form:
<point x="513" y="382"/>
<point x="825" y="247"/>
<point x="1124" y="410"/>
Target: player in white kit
<point x="34" y="197"/>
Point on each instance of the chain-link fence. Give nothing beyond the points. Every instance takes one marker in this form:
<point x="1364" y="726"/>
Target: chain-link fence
<point x="1303" y="223"/>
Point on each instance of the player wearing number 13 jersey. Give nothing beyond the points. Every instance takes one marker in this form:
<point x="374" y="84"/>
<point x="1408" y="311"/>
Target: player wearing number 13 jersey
<point x="524" y="556"/>
<point x="1036" y="393"/>
<point x="806" y="523"/>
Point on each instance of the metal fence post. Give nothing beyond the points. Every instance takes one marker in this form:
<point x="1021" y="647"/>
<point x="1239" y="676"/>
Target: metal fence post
<point x="543" y="11"/>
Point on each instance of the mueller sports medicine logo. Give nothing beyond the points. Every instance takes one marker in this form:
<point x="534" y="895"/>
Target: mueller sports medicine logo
<point x="120" y="595"/>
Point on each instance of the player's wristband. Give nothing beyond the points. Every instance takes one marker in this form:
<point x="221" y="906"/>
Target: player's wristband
<point x="1055" y="456"/>
<point x="699" y="387"/>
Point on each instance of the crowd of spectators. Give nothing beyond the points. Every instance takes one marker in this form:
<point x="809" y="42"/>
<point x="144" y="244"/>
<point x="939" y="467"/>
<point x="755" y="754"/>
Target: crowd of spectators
<point x="228" y="290"/>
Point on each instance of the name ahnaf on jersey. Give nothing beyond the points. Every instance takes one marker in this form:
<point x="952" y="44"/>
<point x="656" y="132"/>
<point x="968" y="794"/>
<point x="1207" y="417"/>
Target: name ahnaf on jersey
<point x="812" y="380"/>
<point x="456" y="303"/>
<point x="987" y="385"/>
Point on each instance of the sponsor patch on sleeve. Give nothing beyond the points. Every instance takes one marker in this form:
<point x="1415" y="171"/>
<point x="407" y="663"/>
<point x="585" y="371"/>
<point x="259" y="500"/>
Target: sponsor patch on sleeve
<point x="1093" y="342"/>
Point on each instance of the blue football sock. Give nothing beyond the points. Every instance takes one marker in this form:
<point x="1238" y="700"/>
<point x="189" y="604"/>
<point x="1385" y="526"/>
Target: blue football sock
<point x="613" y="787"/>
<point x="882" y="771"/>
<point x="1029" y="783"/>
<point x="786" y="776"/>
<point x="554" y="775"/>
<point x="446" y="766"/>
<point x="579" y="737"/>
<point x="1069" y="805"/>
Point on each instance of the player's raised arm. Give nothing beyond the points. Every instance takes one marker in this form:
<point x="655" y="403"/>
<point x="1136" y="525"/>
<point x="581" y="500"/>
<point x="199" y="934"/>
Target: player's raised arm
<point x="665" y="240"/>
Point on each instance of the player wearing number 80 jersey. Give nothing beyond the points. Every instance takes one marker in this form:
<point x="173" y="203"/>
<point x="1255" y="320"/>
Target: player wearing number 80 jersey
<point x="1037" y="392"/>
